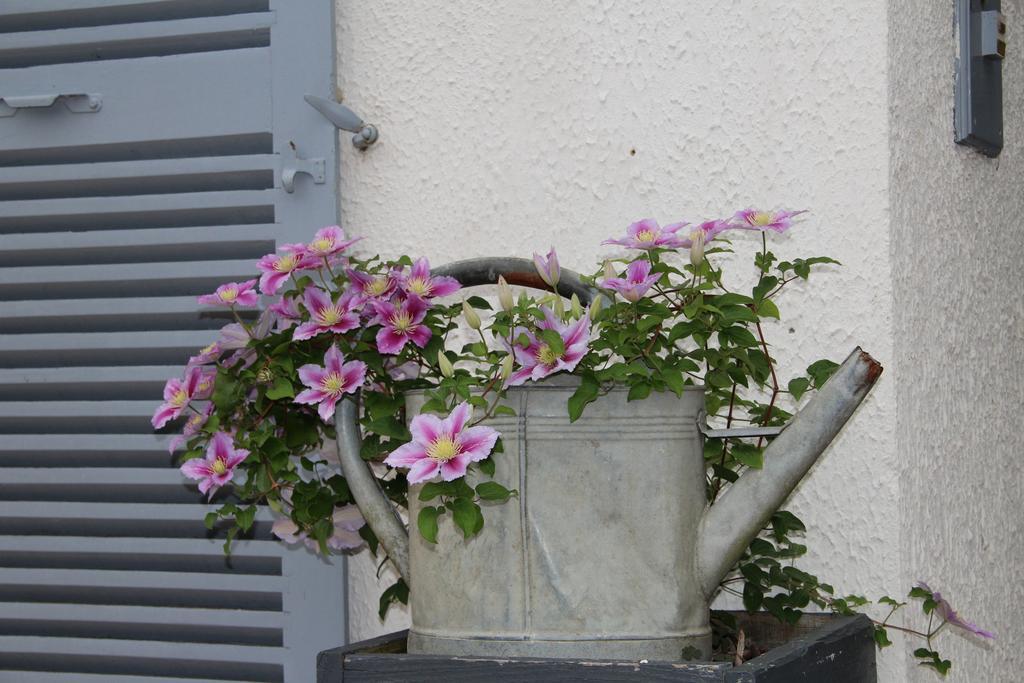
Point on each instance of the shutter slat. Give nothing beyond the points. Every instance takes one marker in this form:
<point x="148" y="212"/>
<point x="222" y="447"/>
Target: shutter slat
<point x="112" y="315"/>
<point x="127" y="579"/>
<point x="105" y="349"/>
<point x="84" y="383"/>
<point x="50" y="677"/>
<point x="143" y="211"/>
<point x="244" y="548"/>
<point x="113" y="11"/>
<point x="113" y="511"/>
<point x="141" y="615"/>
<point x="121" y="41"/>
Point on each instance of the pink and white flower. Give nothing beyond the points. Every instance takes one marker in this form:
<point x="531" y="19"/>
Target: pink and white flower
<point x="218" y="467"/>
<point x="647" y="234"/>
<point x="419" y="282"/>
<point x="206" y="355"/>
<point x="278" y="267"/>
<point x="179" y="393"/>
<point x="192" y="426"/>
<point x="547" y="267"/>
<point x="328" y="315"/>
<point x="444" y="447"/>
<point x="287" y="312"/>
<point x="950" y="615"/>
<point x="777" y="221"/>
<point x="328" y="242"/>
<point x="373" y="287"/>
<point x="401" y="324"/>
<point x="347" y="523"/>
<point x="328" y="384"/>
<point x="636" y="283"/>
<point x="233" y="294"/>
<point x="538" y="359"/>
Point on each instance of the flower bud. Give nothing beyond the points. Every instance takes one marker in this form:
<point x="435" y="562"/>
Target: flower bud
<point x="697" y="247"/>
<point x="444" y="364"/>
<point x="547" y="267"/>
<point x="595" y="307"/>
<point x="472" y="317"/>
<point x="265" y="376"/>
<point x="506" y="367"/>
<point x="609" y="270"/>
<point x="576" y="307"/>
<point x="505" y="295"/>
<point x="559" y="307"/>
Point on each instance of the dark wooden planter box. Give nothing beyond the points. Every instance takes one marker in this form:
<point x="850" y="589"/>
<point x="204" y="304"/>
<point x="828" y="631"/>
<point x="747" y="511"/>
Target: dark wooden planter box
<point x="820" y="648"/>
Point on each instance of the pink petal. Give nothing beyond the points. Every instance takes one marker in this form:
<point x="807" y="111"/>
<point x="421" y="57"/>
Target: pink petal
<point x="272" y="280"/>
<point x="426" y="428"/>
<point x="316" y="300"/>
<point x="326" y="408"/>
<point x="406" y="455"/>
<point x="309" y="397"/>
<point x="247" y="299"/>
<point x="420" y="335"/>
<point x="519" y="376"/>
<point x="456" y="421"/>
<point x="196" y="468"/>
<point x="333" y="360"/>
<point x="443" y="285"/>
<point x="349" y="321"/>
<point x="164" y="414"/>
<point x="454" y="468"/>
<point x="389" y="341"/>
<point x="478" y="442"/>
<point x="352" y="375"/>
<point x="423" y="470"/>
<point x="306" y="331"/>
<point x="220" y="446"/>
<point x="312" y="375"/>
<point x="420" y="269"/>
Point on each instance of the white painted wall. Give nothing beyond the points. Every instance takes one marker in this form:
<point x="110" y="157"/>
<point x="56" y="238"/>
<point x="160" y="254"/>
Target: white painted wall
<point x="958" y="258"/>
<point x="510" y="127"/>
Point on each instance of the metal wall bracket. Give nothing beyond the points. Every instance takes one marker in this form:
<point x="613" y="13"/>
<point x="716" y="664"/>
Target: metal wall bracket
<point x="735" y="432"/>
<point x="978" y="100"/>
<point x="293" y="165"/>
<point x="78" y="103"/>
<point x="344" y="118"/>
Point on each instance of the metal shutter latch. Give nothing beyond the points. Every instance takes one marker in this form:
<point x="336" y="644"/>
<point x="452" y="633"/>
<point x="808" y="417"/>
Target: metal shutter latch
<point x="79" y="103"/>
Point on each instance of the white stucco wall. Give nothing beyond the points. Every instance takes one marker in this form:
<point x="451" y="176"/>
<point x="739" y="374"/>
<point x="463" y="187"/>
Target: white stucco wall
<point x="958" y="258"/>
<point x="510" y="127"/>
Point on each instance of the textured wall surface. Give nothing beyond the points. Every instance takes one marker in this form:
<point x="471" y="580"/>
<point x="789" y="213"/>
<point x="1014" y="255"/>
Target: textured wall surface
<point x="958" y="255"/>
<point x="510" y="127"/>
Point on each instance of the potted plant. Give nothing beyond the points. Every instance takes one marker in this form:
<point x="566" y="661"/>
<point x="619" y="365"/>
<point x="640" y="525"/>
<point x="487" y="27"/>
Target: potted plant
<point x="563" y="499"/>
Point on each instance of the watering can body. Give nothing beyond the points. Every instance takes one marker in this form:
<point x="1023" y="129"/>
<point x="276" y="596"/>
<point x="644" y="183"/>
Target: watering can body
<point x="595" y="557"/>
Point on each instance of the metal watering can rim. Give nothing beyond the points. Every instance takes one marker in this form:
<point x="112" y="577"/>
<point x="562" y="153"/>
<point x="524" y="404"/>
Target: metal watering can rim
<point x="728" y="526"/>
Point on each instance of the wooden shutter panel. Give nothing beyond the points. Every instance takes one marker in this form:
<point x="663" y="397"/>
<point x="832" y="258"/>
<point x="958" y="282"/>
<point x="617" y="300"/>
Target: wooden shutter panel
<point x="112" y="220"/>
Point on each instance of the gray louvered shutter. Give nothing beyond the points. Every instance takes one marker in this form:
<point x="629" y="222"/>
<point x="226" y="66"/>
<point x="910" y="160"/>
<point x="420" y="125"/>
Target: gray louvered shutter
<point x="141" y="150"/>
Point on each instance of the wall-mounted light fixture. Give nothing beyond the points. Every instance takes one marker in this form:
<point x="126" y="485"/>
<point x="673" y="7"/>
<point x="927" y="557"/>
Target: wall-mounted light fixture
<point x="978" y="109"/>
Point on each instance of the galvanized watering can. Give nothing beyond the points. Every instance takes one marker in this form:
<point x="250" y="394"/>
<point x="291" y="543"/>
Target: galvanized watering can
<point x="610" y="551"/>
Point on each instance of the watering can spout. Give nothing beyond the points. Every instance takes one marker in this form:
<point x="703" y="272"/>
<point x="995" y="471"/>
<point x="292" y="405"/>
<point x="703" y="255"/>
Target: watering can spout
<point x="743" y="511"/>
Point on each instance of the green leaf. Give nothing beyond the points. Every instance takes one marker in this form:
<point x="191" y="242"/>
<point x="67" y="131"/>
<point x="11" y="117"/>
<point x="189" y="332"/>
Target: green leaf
<point x="281" y="388"/>
<point x="487" y="466"/>
<point x="767" y="284"/>
<point x="766" y="308"/>
<point x="210" y="519"/>
<point x="433" y="489"/>
<point x="397" y="592"/>
<point x="881" y="637"/>
<point x="479" y="302"/>
<point x="586" y="392"/>
<point x="753" y="597"/>
<point x="820" y="371"/>
<point x="798" y="387"/>
<point x="750" y="456"/>
<point x="731" y="314"/>
<point x="427" y="522"/>
<point x="638" y="392"/>
<point x="467" y="516"/>
<point x="244" y="518"/>
<point x="491" y="490"/>
<point x="553" y="340"/>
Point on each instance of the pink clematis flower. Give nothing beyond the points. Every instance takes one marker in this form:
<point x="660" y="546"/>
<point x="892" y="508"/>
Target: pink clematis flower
<point x="287" y="312"/>
<point x="328" y="316"/>
<point x="538" y="359"/>
<point x="178" y="393"/>
<point x="777" y="221"/>
<point x="206" y="355"/>
<point x="647" y="234"/>
<point x="328" y="242"/>
<point x="420" y="283"/>
<point x="401" y="324"/>
<point x="949" y="614"/>
<point x="218" y="467"/>
<point x="547" y="267"/>
<point x="373" y="286"/>
<point x="329" y="383"/>
<point x="444" y="447"/>
<point x="278" y="267"/>
<point x="636" y="283"/>
<point x="192" y="427"/>
<point x="233" y="294"/>
<point x="347" y="523"/>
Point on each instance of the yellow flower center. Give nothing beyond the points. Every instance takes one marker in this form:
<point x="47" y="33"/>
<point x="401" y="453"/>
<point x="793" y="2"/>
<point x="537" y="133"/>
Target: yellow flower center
<point x="228" y="295"/>
<point x="377" y="286"/>
<point x="333" y="384"/>
<point x="180" y="398"/>
<point x="401" y="321"/>
<point x="207" y="349"/>
<point x="418" y="285"/>
<point x="547" y="355"/>
<point x="219" y="467"/>
<point x="322" y="245"/>
<point x="331" y="315"/>
<point x="646" y="236"/>
<point x="762" y="218"/>
<point x="443" y="450"/>
<point x="286" y="263"/>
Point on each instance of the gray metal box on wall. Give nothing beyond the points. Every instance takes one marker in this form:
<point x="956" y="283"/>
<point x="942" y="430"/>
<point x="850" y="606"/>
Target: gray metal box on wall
<point x="142" y="146"/>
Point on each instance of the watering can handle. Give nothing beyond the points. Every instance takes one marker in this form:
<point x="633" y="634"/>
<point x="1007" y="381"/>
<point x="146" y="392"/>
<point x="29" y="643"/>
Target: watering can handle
<point x="378" y="511"/>
<point x="733" y="432"/>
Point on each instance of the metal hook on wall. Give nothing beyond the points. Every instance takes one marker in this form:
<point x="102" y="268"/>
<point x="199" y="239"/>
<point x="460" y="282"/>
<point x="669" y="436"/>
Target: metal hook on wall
<point x="344" y="118"/>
